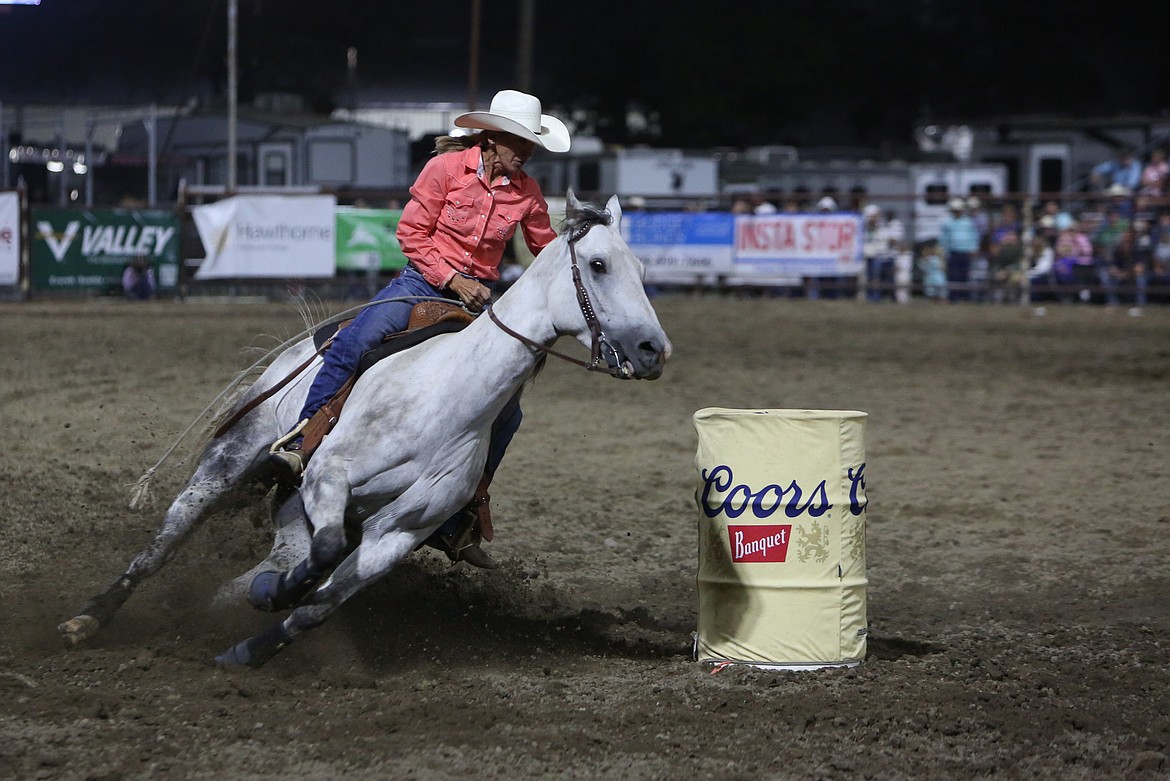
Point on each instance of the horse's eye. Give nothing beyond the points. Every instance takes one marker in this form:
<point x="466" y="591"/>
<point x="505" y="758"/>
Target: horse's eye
<point x="598" y="266"/>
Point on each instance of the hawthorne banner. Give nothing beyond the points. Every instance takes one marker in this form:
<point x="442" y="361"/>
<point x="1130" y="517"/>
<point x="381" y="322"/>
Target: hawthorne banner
<point x="367" y="240"/>
<point x="267" y="236"/>
<point x="89" y="248"/>
<point x="9" y="238"/>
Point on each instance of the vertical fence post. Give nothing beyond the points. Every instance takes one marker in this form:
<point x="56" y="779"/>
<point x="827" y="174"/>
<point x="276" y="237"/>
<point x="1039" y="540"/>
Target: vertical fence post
<point x="1027" y="236"/>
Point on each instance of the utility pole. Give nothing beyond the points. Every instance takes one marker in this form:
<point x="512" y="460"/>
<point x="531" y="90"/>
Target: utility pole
<point x="524" y="47"/>
<point x="3" y="151"/>
<point x="473" y="72"/>
<point x="152" y="157"/>
<point x="233" y="30"/>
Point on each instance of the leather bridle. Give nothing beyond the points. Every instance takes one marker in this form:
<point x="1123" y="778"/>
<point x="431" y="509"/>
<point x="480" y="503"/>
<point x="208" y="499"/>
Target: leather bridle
<point x="614" y="366"/>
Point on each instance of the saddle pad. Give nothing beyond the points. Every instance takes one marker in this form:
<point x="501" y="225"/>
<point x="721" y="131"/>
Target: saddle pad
<point x="405" y="340"/>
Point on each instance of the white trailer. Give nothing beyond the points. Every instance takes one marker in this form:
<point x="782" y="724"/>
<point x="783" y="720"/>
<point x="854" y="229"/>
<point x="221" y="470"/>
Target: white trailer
<point x="917" y="193"/>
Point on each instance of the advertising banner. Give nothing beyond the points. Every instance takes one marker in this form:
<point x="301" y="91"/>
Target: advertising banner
<point x="252" y="236"/>
<point x="367" y="240"/>
<point x="761" y="249"/>
<point x="89" y="248"/>
<point x="681" y="247"/>
<point x="792" y="246"/>
<point x="9" y="238"/>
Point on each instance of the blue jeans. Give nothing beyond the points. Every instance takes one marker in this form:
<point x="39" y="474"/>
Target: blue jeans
<point x="367" y="331"/>
<point x="959" y="275"/>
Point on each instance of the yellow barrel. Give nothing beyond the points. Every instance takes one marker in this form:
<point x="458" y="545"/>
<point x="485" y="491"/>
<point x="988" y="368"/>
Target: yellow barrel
<point x="782" y="504"/>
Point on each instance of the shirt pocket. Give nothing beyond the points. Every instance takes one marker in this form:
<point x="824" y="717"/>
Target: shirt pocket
<point x="458" y="212"/>
<point x="505" y="221"/>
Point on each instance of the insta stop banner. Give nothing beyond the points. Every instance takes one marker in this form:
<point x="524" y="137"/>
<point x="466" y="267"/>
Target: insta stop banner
<point x="781" y="537"/>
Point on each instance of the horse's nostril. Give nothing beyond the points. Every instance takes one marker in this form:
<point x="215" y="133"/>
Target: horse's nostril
<point x="649" y="347"/>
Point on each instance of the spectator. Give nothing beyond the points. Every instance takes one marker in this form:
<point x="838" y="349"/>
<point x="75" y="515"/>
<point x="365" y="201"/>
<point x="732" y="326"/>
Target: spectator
<point x="979" y="274"/>
<point x="1110" y="234"/>
<point x="1159" y="273"/>
<point x="138" y="282"/>
<point x="1006" y="255"/>
<point x="761" y="205"/>
<point x="959" y="241"/>
<point x="1126" y="171"/>
<point x="1060" y="217"/>
<point x="1007" y="221"/>
<point x="1120" y="199"/>
<point x="826" y="204"/>
<point x="978" y="215"/>
<point x="1046" y="228"/>
<point x="1042" y="270"/>
<point x="1126" y="267"/>
<point x="1074" y="261"/>
<point x="903" y="273"/>
<point x="934" y="272"/>
<point x="1155" y="175"/>
<point x="878" y="247"/>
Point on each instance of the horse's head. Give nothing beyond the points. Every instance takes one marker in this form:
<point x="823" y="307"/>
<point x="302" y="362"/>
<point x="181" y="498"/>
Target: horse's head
<point x="609" y="311"/>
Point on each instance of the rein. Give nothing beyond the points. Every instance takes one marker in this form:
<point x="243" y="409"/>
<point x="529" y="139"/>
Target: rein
<point x="597" y="335"/>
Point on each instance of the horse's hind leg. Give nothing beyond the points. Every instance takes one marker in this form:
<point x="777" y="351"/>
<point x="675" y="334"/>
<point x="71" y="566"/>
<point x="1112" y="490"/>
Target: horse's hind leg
<point x="215" y="479"/>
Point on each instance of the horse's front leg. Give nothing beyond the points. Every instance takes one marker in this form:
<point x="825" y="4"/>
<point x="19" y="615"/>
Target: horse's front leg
<point x="324" y="498"/>
<point x="212" y="484"/>
<point x="372" y="560"/>
<point x="388" y="537"/>
<point x="291" y="542"/>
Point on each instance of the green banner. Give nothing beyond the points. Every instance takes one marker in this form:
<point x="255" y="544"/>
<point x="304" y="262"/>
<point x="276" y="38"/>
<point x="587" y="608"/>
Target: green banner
<point x="73" y="249"/>
<point x="366" y="239"/>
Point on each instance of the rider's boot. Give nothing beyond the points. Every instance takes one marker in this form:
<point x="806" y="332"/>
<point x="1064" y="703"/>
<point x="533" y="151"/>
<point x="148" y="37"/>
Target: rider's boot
<point x="459" y="537"/>
<point x="287" y="457"/>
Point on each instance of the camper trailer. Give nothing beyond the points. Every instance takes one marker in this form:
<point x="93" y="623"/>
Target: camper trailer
<point x="650" y="173"/>
<point x="917" y="193"/>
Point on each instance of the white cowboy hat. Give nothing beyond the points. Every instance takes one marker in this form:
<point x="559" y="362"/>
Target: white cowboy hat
<point x="519" y="114"/>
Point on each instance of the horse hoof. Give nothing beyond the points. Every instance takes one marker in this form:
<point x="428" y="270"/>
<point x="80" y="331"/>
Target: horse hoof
<point x="78" y="629"/>
<point x="255" y="651"/>
<point x="264" y="591"/>
<point x="236" y="656"/>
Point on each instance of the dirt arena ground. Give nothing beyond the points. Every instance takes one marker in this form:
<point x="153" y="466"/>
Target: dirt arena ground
<point x="1018" y="548"/>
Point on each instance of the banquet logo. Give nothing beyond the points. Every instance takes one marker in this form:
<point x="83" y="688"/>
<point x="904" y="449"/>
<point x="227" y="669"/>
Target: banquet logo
<point x="759" y="543"/>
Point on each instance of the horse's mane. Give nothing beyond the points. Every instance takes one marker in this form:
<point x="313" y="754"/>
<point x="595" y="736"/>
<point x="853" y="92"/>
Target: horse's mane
<point x="584" y="217"/>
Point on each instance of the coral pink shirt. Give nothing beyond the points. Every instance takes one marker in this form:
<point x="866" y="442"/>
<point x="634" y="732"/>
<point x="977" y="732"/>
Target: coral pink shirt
<point x="456" y="222"/>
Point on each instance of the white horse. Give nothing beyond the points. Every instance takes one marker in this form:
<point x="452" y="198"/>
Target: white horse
<point x="410" y="447"/>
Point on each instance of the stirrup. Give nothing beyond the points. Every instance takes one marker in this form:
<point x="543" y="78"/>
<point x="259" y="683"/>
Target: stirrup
<point x="279" y="444"/>
<point x="463" y="545"/>
<point x="289" y="465"/>
<point x="286" y="457"/>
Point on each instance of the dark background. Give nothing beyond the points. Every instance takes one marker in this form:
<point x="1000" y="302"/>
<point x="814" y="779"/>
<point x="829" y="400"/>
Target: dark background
<point x="705" y="73"/>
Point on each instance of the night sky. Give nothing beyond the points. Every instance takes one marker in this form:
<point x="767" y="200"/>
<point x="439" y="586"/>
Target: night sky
<point x="710" y="73"/>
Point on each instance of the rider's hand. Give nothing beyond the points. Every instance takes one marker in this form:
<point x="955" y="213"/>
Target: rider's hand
<point x="474" y="295"/>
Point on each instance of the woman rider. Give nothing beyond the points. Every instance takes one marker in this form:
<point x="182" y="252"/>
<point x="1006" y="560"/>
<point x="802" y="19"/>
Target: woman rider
<point x="465" y="207"/>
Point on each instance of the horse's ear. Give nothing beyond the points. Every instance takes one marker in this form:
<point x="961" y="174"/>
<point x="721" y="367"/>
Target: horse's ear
<point x="572" y="205"/>
<point x="615" y="211"/>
